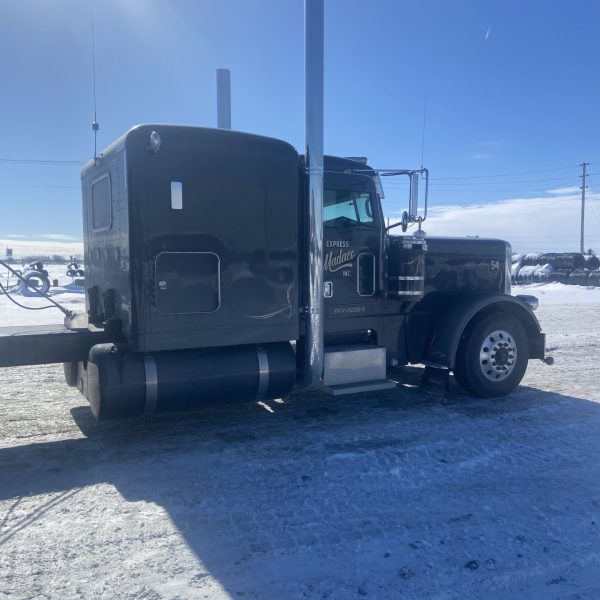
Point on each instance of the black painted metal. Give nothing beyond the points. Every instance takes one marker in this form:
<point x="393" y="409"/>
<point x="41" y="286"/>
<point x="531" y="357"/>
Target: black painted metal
<point x="240" y="207"/>
<point x="117" y="381"/>
<point x="350" y="316"/>
<point x="455" y="268"/>
<point x="465" y="265"/>
<point x="345" y="241"/>
<point x="451" y="267"/>
<point x="444" y="335"/>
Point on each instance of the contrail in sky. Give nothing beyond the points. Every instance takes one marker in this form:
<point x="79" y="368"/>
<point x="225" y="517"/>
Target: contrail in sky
<point x="487" y="33"/>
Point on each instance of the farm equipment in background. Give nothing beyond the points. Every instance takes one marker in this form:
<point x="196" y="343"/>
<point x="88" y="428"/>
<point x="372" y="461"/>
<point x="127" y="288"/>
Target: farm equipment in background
<point x="32" y="280"/>
<point x="74" y="269"/>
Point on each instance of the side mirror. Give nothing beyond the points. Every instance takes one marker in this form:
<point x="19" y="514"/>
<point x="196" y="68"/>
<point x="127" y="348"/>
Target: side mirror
<point x="413" y="201"/>
<point x="412" y="215"/>
<point x="413" y="204"/>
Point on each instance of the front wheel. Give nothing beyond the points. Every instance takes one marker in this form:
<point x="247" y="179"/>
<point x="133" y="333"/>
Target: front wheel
<point x="492" y="356"/>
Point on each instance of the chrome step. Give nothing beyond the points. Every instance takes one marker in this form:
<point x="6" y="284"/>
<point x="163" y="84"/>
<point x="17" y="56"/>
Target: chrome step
<point x="356" y="368"/>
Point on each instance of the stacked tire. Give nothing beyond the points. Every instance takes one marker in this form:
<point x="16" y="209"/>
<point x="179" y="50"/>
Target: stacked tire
<point x="560" y="276"/>
<point x="578" y="277"/>
<point x="594" y="279"/>
<point x="571" y="268"/>
<point x="75" y="270"/>
<point x="592" y="262"/>
<point x="34" y="280"/>
<point x="534" y="274"/>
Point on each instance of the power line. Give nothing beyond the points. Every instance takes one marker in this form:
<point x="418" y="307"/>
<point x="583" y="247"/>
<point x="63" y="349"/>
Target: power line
<point x="595" y="208"/>
<point x="443" y="188"/>
<point x="593" y="202"/>
<point x="470" y="191"/>
<point x="423" y="136"/>
<point x="434" y="181"/>
<point x="465" y="186"/>
<point x="44" y="187"/>
<point x="40" y="161"/>
<point x="509" y="174"/>
<point x="434" y="185"/>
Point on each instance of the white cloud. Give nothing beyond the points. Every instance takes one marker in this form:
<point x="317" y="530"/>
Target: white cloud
<point x="23" y="248"/>
<point x="57" y="236"/>
<point x="544" y="224"/>
<point x="564" y="190"/>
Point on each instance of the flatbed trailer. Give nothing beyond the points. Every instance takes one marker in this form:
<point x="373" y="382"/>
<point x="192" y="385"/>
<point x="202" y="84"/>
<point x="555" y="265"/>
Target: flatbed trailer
<point x="44" y="344"/>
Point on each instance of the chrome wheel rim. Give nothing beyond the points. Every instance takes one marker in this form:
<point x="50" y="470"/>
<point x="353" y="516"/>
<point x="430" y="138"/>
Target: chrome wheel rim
<point x="498" y="355"/>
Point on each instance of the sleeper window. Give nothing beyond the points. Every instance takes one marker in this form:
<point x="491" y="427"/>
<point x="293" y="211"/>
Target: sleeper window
<point x="101" y="204"/>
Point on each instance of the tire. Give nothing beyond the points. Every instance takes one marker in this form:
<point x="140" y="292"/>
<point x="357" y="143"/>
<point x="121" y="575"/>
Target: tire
<point x="492" y="380"/>
<point x="71" y="372"/>
<point x="26" y="290"/>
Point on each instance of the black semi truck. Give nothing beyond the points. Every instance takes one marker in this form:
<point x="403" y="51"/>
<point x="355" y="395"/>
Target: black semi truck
<point x="198" y="282"/>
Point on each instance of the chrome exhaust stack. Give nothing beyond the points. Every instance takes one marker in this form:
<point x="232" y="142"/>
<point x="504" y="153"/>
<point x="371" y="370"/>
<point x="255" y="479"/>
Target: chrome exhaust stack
<point x="223" y="99"/>
<point x="314" y="82"/>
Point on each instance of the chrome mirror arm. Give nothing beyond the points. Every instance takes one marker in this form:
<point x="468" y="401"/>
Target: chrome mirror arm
<point x="426" y="173"/>
<point x="423" y="172"/>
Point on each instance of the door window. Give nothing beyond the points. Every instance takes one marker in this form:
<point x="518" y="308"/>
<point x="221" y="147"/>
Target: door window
<point x="365" y="274"/>
<point x="346" y="207"/>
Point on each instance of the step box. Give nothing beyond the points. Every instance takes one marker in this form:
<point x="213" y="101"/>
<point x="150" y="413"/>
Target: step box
<point x="352" y="364"/>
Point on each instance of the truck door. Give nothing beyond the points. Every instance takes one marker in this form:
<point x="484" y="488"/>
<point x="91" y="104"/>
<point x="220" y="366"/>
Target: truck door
<point x="352" y="224"/>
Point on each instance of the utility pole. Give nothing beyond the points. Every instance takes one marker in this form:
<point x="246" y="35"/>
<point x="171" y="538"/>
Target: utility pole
<point x="583" y="188"/>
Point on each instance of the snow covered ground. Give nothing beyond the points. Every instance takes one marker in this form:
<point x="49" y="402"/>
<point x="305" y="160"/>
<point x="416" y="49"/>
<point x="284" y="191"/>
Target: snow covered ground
<point x="559" y="293"/>
<point x="387" y="495"/>
<point x="67" y="294"/>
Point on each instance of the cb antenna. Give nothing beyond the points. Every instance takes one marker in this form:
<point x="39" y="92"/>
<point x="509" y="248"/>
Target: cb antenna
<point x="423" y="134"/>
<point x="95" y="124"/>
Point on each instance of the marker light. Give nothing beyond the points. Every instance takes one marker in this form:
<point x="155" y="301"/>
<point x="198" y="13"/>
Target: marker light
<point x="155" y="142"/>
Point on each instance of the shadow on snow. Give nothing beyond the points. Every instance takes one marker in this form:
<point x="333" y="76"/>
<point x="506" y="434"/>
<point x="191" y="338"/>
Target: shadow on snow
<point x="363" y="473"/>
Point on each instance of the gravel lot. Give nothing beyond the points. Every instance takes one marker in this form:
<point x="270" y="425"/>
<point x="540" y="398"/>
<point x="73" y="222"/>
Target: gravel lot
<point x="378" y="495"/>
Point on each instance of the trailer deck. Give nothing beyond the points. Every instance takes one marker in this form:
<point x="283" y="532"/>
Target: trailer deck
<point x="45" y="344"/>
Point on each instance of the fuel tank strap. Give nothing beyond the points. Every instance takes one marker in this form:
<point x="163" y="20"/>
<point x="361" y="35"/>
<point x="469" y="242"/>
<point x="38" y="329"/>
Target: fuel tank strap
<point x="263" y="373"/>
<point x="151" y="385"/>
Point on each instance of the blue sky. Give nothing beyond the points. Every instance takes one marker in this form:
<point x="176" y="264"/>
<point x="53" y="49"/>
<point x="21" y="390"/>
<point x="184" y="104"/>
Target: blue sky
<point x="512" y="87"/>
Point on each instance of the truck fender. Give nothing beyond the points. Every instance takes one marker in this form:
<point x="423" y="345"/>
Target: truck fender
<point x="451" y="323"/>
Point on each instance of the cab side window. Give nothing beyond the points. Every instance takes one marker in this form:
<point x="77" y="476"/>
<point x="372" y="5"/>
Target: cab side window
<point x="347" y="207"/>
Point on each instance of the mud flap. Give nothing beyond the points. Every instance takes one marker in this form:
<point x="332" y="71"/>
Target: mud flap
<point x="436" y="381"/>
